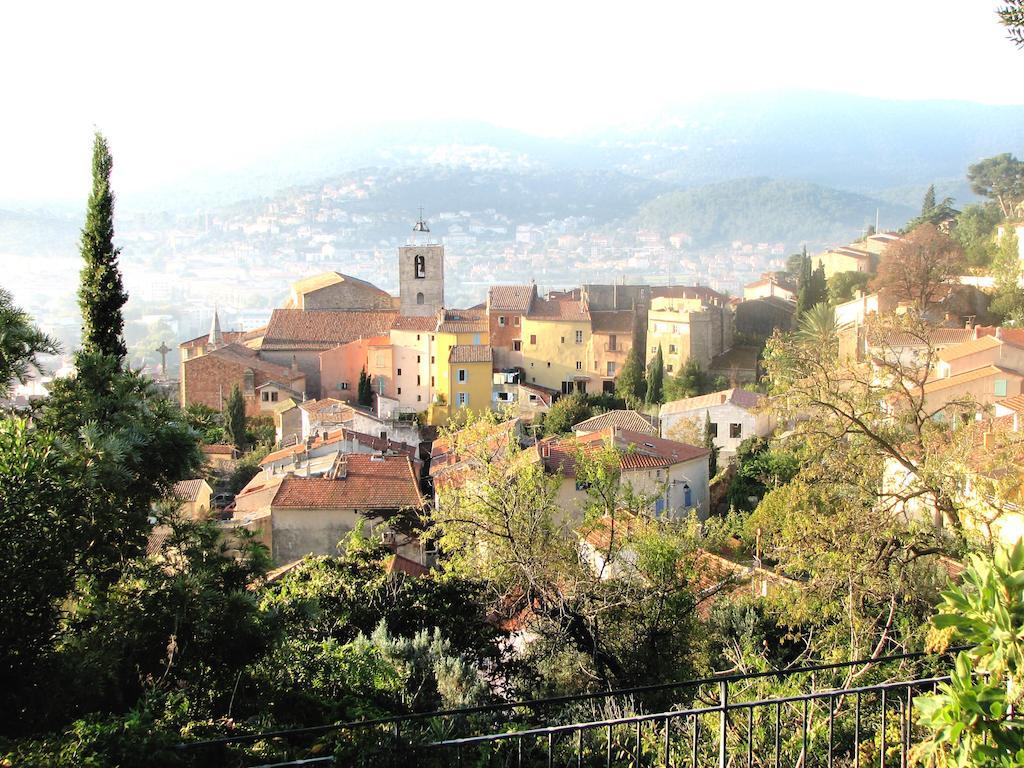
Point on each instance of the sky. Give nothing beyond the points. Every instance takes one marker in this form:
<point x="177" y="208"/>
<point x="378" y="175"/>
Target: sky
<point x="205" y="87"/>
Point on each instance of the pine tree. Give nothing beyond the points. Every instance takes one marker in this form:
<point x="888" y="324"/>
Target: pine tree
<point x="630" y="384"/>
<point x="655" y="380"/>
<point x="364" y="394"/>
<point x="709" y="443"/>
<point x="234" y="419"/>
<point x="928" y="204"/>
<point x="101" y="293"/>
<point x="819" y="286"/>
<point x="803" y="302"/>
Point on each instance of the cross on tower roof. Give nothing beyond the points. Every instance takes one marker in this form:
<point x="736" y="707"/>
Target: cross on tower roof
<point x="421" y="225"/>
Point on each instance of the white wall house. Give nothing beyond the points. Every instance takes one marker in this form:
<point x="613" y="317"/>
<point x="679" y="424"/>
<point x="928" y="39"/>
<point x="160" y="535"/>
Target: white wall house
<point x="735" y="416"/>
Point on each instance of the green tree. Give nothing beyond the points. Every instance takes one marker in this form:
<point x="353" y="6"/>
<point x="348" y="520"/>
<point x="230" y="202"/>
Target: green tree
<point x="1011" y="16"/>
<point x="999" y="178"/>
<point x="364" y="392"/>
<point x="234" y="419"/>
<point x="812" y="287"/>
<point x="21" y="343"/>
<point x="1008" y="302"/>
<point x="919" y="266"/>
<point x="975" y="230"/>
<point x="708" y="439"/>
<point x="972" y="718"/>
<point x="566" y="411"/>
<point x="101" y="293"/>
<point x="655" y="380"/>
<point x="928" y="203"/>
<point x="630" y="384"/>
<point x="843" y="285"/>
<point x="689" y="381"/>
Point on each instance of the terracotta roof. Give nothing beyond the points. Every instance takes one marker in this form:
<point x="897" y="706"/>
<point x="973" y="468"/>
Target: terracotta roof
<point x="620" y="321"/>
<point x="325" y="279"/>
<point x="188" y="490"/>
<point x="236" y="354"/>
<point x="407" y="323"/>
<point x="332" y="437"/>
<point x="560" y="309"/>
<point x="602" y="533"/>
<point x="324" y="403"/>
<point x="687" y="292"/>
<point x="1015" y="403"/>
<point x="323" y="329"/>
<point x="1012" y="335"/>
<point x="470" y="353"/>
<point x="968" y="376"/>
<point x="401" y="564"/>
<point x="938" y="337"/>
<point x="735" y="396"/>
<point x="227" y="337"/>
<point x="627" y="419"/>
<point x="370" y="482"/>
<point x="493" y="438"/>
<point x="511" y="298"/>
<point x="218" y="449"/>
<point x="464" y="321"/>
<point x="956" y="351"/>
<point x="648" y="452"/>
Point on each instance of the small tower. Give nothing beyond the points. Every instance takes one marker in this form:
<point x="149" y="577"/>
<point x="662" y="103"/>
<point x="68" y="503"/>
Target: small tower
<point x="215" y="339"/>
<point x="421" y="273"/>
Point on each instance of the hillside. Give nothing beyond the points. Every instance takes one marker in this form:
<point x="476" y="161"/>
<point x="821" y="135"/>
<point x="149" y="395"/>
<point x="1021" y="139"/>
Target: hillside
<point x="767" y="210"/>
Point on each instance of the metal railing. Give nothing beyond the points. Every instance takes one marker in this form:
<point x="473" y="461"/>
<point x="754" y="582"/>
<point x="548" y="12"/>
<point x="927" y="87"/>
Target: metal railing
<point x="518" y="721"/>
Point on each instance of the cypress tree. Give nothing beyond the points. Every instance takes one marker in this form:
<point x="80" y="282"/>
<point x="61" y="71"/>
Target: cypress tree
<point x="234" y="419"/>
<point x="928" y="204"/>
<point x="709" y="443"/>
<point x="630" y="384"/>
<point x="819" y="287"/>
<point x="655" y="379"/>
<point x="101" y="293"/>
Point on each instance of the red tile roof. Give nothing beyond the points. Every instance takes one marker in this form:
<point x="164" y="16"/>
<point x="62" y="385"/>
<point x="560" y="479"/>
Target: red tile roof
<point x="620" y="321"/>
<point x="464" y="321"/>
<point x="1012" y="335"/>
<point x="370" y="483"/>
<point x="627" y="419"/>
<point x="332" y="437"/>
<point x="511" y="298"/>
<point x="648" y="452"/>
<point x="422" y="324"/>
<point x="323" y="329"/>
<point x="404" y="565"/>
<point x="188" y="490"/>
<point x="236" y="354"/>
<point x="218" y="449"/>
<point x="470" y="353"/>
<point x="560" y="309"/>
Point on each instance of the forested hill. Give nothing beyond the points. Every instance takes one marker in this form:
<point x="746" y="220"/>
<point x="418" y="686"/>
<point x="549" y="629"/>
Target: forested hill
<point x="767" y="210"/>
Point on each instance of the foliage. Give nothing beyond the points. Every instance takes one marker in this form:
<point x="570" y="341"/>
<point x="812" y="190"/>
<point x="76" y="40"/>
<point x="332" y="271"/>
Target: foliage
<point x="708" y="441"/>
<point x="917" y="268"/>
<point x="760" y="467"/>
<point x="655" y="380"/>
<point x="566" y="411"/>
<point x="812" y="288"/>
<point x="245" y="469"/>
<point x="843" y="285"/>
<point x="205" y="421"/>
<point x="972" y="717"/>
<point x="1008" y="302"/>
<point x="1011" y="16"/>
<point x="692" y="380"/>
<point x="364" y="392"/>
<point x="631" y="385"/>
<point x="101" y="293"/>
<point x="233" y="419"/>
<point x="975" y="230"/>
<point x="1001" y="179"/>
<point x="932" y="211"/>
<point x="21" y="343"/>
<point x="260" y="430"/>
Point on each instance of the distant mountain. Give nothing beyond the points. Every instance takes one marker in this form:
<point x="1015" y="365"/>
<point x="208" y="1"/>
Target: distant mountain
<point x="767" y="210"/>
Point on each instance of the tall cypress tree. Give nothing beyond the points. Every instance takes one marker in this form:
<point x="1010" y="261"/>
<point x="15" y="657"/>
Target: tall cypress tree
<point x="630" y="385"/>
<point x="928" y="204"/>
<point x="655" y="379"/>
<point x="234" y="419"/>
<point x="101" y="293"/>
<point x="709" y="443"/>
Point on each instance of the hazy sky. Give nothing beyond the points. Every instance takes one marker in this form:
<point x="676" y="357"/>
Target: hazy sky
<point x="186" y="86"/>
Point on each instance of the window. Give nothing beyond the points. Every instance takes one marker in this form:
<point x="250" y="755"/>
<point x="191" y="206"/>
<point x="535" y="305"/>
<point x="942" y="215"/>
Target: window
<point x="687" y="495"/>
<point x="462" y="374"/>
<point x="418" y="382"/>
<point x="417" y="339"/>
<point x="579" y="365"/>
<point x="419" y="398"/>
<point x="653" y="350"/>
<point x="714" y="429"/>
<point x="549" y="363"/>
<point x="379" y="360"/>
<point x="501" y="320"/>
<point x="659" y="506"/>
<point x="273" y="397"/>
<point x="668" y="368"/>
<point x="517" y="345"/>
<point x="343" y="385"/>
<point x="383" y="435"/>
<point x="735" y="430"/>
<point x="567" y="387"/>
<point x="431" y="381"/>
<point x="611" y="343"/>
<point x="463" y="399"/>
<point x="399" y="371"/>
<point x="399" y="390"/>
<point x="533" y="398"/>
<point x="533" y="339"/>
<point x="1000" y="388"/>
<point x="476" y="339"/>
<point x="418" y="358"/>
<point x="420" y="265"/>
<point x="419" y="297"/>
<point x="431" y="359"/>
<point x="579" y="337"/>
<point x="611" y="368"/>
<point x="431" y="337"/>
<point x="515" y="321"/>
<point x="265" y="396"/>
<point x="563" y="339"/>
<point x="671" y="349"/>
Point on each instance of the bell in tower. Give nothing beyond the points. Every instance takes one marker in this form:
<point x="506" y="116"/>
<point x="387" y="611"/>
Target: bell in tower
<point x="421" y="272"/>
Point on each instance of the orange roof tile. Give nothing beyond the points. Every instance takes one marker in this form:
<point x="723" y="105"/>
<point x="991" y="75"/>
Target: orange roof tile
<point x="511" y="298"/>
<point x="560" y="309"/>
<point x="470" y="353"/>
<point x="370" y="483"/>
<point x="324" y="329"/>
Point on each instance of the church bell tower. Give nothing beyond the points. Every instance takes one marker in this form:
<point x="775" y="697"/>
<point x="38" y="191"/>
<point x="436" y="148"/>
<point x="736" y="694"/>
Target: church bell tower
<point x="421" y="273"/>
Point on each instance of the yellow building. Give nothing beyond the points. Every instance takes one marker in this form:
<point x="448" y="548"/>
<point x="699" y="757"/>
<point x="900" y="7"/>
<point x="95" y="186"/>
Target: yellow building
<point x="685" y="328"/>
<point x="557" y="345"/>
<point x="469" y="377"/>
<point x="459" y="328"/>
<point x="846" y="259"/>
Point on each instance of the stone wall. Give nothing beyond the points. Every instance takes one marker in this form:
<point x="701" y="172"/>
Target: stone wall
<point x="420" y="296"/>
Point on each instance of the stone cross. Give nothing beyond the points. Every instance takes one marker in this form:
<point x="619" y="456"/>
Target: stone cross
<point x="162" y="350"/>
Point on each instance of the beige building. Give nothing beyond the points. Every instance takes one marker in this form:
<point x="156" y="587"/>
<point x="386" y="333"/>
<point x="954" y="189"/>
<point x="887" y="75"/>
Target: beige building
<point x="333" y="290"/>
<point x="194" y="496"/>
<point x="977" y="353"/>
<point x="735" y="416"/>
<point x="687" y="328"/>
<point x="981" y="386"/>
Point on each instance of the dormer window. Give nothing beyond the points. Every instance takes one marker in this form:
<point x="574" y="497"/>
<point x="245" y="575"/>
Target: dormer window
<point x="420" y="265"/>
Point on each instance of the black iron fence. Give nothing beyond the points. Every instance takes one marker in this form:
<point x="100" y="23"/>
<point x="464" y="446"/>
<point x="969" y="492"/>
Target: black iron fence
<point x="727" y="720"/>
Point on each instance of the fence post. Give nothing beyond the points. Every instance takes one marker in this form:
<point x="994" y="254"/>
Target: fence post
<point x="723" y="722"/>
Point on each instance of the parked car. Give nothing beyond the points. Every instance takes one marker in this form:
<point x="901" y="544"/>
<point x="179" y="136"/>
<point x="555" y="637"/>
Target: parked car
<point x="221" y="500"/>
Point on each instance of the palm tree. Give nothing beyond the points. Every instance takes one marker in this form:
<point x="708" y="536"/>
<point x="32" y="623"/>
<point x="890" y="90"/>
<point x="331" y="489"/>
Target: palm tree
<point x="818" y="326"/>
<point x="21" y="343"/>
